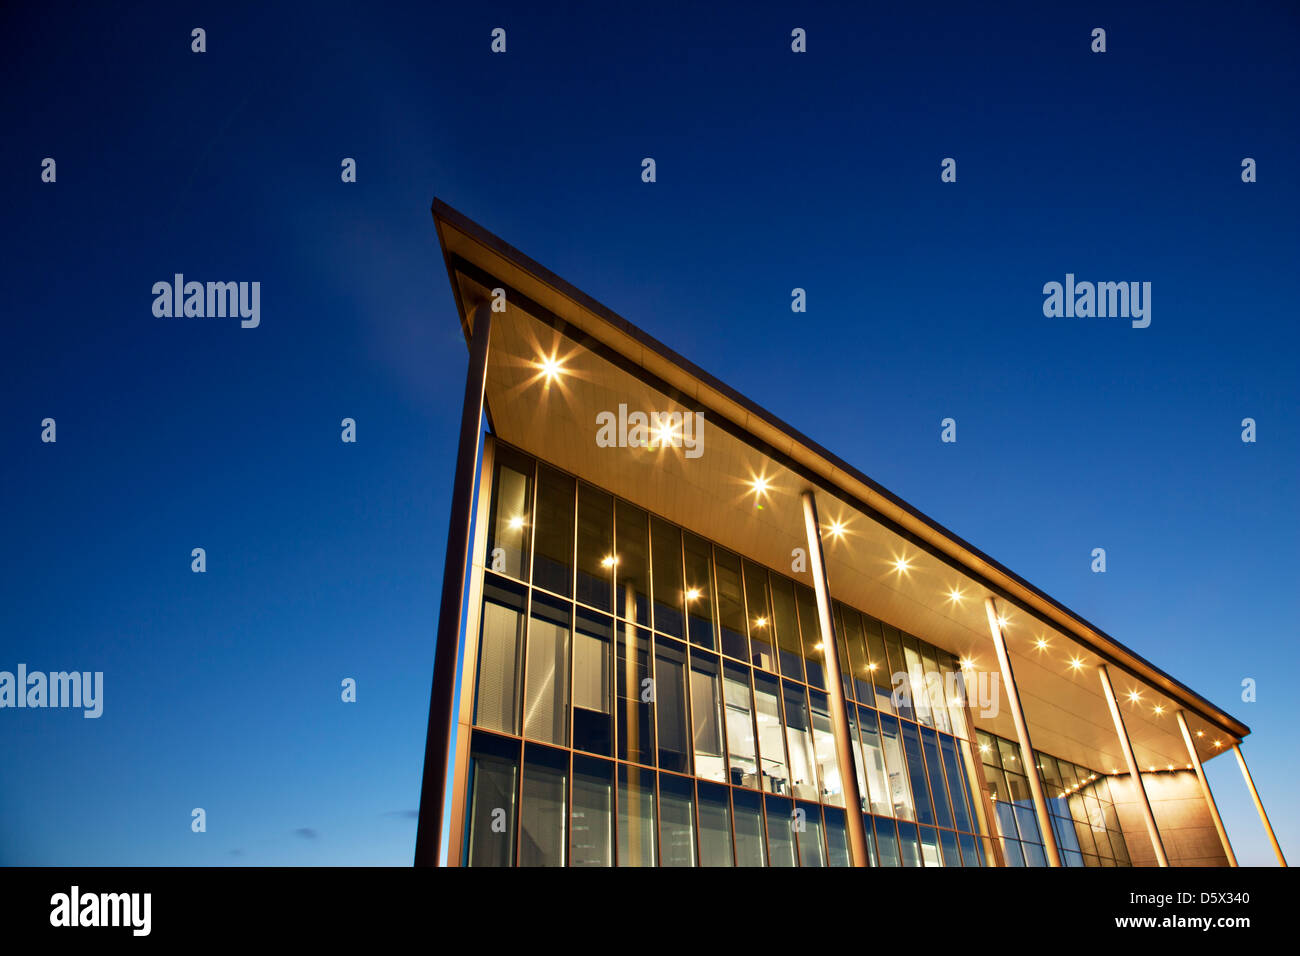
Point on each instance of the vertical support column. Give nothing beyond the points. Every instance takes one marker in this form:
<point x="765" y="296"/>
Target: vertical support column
<point x="428" y="837"/>
<point x="1135" y="772"/>
<point x="839" y="710"/>
<point x="1022" y="734"/>
<point x="1205" y="787"/>
<point x="1259" y="805"/>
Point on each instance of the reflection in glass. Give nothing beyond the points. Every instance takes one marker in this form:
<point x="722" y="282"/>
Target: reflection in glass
<point x="666" y="554"/>
<point x="676" y="821"/>
<point x="493" y="778"/>
<point x="632" y="572"/>
<point x="837" y="837"/>
<point x="873" y="758"/>
<point x="780" y="831"/>
<point x="810" y="630"/>
<point x="930" y="847"/>
<point x="546" y="684"/>
<point x="934" y="772"/>
<point x="553" y="534"/>
<point x="916" y="773"/>
<point x="699" y="591"/>
<point x="751" y="848"/>
<point x="908" y="847"/>
<point x="916" y="681"/>
<point x="878" y="665"/>
<point x="593" y="805"/>
<point x="808" y="834"/>
<point x="828" y="768"/>
<point x="731" y="605"/>
<point x="785" y="627"/>
<point x="760" y="617"/>
<point x="899" y="793"/>
<point x="670" y="703"/>
<point x="798" y="733"/>
<point x="596" y="558"/>
<point x="771" y="742"/>
<point x="635" y="696"/>
<point x="510" y="519"/>
<point x="715" y="826"/>
<point x="897" y="676"/>
<point x="543" y="837"/>
<point x="636" y="817"/>
<point x="886" y="841"/>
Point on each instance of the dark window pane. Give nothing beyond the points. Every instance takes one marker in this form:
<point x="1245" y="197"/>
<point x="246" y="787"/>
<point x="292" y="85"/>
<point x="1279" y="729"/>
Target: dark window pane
<point x="961" y="812"/>
<point x="493" y="781"/>
<point x="930" y="847"/>
<point x="760" y="617"/>
<point x="593" y="808"/>
<point x="546" y="681"/>
<point x="808" y="834"/>
<point x="635" y="696"/>
<point x="948" y="842"/>
<point x="886" y="841"/>
<point x="751" y="849"/>
<point x="857" y="664"/>
<point x="971" y="854"/>
<point x="632" y="572"/>
<point x="916" y="773"/>
<point x="510" y="518"/>
<point x="593" y="713"/>
<point x="731" y="605"/>
<point x="553" y="538"/>
<point x="699" y="591"/>
<point x="786" y="627"/>
<point x="780" y="831"/>
<point x="897" y="676"/>
<point x="496" y="698"/>
<point x="810" y="630"/>
<point x="636" y="817"/>
<point x="596" y="558"/>
<point x="907" y="844"/>
<point x="837" y="837"/>
<point x="666" y="550"/>
<point x="676" y="821"/>
<point x="670" y="704"/>
<point x="873" y="758"/>
<point x="934" y="772"/>
<point x="543" y="838"/>
<point x="899" y="792"/>
<point x="878" y="664"/>
<point x="771" y="738"/>
<point x="715" y="825"/>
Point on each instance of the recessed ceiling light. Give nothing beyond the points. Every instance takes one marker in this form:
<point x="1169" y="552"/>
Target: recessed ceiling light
<point x="902" y="564"/>
<point x="760" y="622"/>
<point x="608" y="561"/>
<point x="692" y="594"/>
<point x="837" y="529"/>
<point x="516" y="523"/>
<point x="1041" y="643"/>
<point x="552" y="368"/>
<point x="1076" y="663"/>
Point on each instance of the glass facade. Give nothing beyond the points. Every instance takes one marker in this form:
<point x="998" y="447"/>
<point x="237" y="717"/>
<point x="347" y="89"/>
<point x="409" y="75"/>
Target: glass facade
<point x="644" y="697"/>
<point x="1084" y="820"/>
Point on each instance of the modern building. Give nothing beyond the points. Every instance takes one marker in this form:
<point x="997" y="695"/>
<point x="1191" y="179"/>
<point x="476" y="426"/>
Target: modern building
<point x="676" y="631"/>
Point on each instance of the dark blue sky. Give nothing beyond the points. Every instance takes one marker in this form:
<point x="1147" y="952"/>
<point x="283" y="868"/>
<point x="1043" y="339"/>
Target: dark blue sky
<point x="775" y="170"/>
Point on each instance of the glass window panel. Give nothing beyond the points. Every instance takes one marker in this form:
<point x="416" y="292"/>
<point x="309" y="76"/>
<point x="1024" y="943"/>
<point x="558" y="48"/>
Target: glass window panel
<point x="988" y="749"/>
<point x="878" y="664"/>
<point x="670" y="704"/>
<point x="543" y="837"/>
<point x="899" y="793"/>
<point x="593" y="712"/>
<point x="935" y="688"/>
<point x="553" y="534"/>
<point x="496" y="698"/>
<point x="859" y="757"/>
<point x="493" y="782"/>
<point x="808" y="835"/>
<point x="510" y="518"/>
<point x="632" y="572"/>
<point x="1083" y="836"/>
<point x="706" y="717"/>
<point x="780" y="831"/>
<point x="886" y="841"/>
<point x="1013" y="852"/>
<point x="916" y="774"/>
<point x="955" y="688"/>
<point x="636" y="816"/>
<point x="785" y="627"/>
<point x="741" y="748"/>
<point x="771" y="739"/>
<point x="731" y="605"/>
<point x="1010" y="756"/>
<point x="837" y="837"/>
<point x="930" y="847"/>
<point x="872" y="858"/>
<point x="546" y="682"/>
<point x="1051" y="775"/>
<point x="760" y="617"/>
<point x="1034" y="855"/>
<point x="596" y="558"/>
<point x="814" y="653"/>
<point x="961" y="810"/>
<point x="846" y="672"/>
<point x="593" y="808"/>
<point x="934" y="773"/>
<point x="897" y="675"/>
<point x="878" y="778"/>
<point x="636" y="706"/>
<point x="828" y="767"/>
<point x="676" y="821"/>
<point x="803" y="773"/>
<point x="751" y="848"/>
<point x="916" y="681"/>
<point x="948" y="843"/>
<point x="666" y="553"/>
<point x="715" y="825"/>
<point x="857" y="662"/>
<point x="908" y="846"/>
<point x="971" y="854"/>
<point x="699" y="591"/>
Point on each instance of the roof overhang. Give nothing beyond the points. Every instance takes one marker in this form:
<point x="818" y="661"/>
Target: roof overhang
<point x="609" y="362"/>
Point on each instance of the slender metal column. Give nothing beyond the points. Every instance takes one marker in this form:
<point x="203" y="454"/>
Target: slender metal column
<point x="839" y="710"/>
<point x="1205" y="788"/>
<point x="1022" y="733"/>
<point x="1259" y="805"/>
<point x="1135" y="772"/>
<point x="428" y="836"/>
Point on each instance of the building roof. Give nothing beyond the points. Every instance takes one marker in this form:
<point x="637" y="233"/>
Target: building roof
<point x="608" y="361"/>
